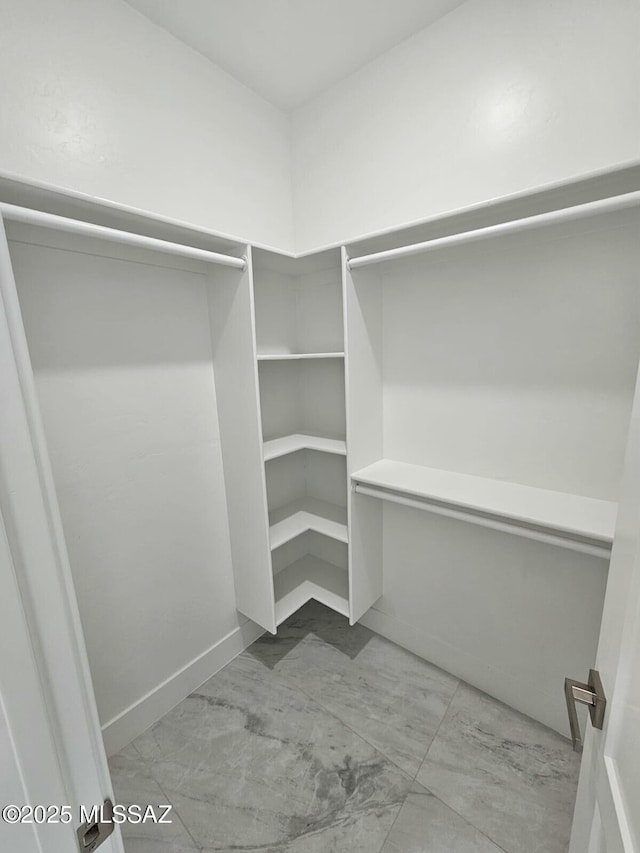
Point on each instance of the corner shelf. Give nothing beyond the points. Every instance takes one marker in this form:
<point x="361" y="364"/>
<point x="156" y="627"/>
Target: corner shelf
<point x="305" y="514"/>
<point x="573" y="521"/>
<point x="277" y="447"/>
<point x="298" y="366"/>
<point x="307" y="578"/>
<point x="296" y="356"/>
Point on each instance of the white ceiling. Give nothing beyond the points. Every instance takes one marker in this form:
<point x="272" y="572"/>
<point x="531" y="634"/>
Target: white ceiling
<point x="290" y="50"/>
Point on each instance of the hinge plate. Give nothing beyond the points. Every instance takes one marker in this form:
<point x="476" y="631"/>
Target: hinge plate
<point x="93" y="833"/>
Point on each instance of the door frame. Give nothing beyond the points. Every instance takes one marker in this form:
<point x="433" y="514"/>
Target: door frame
<point x="600" y="816"/>
<point x="29" y="508"/>
<point x="31" y="772"/>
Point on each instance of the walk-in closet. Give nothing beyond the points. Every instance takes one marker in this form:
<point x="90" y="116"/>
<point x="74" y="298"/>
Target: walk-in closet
<point x="320" y="427"/>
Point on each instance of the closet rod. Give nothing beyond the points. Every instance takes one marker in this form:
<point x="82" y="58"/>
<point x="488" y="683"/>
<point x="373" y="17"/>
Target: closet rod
<point x="485" y="521"/>
<point x="566" y="214"/>
<point x="88" y="229"/>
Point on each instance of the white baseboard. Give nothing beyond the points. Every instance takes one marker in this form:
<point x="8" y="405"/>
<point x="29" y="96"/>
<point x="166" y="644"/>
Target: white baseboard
<point x="137" y="718"/>
<point x="544" y="707"/>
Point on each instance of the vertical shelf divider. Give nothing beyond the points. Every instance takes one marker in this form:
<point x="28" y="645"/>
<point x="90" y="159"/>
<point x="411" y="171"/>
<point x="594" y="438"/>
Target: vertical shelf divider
<point x="232" y="318"/>
<point x="362" y="295"/>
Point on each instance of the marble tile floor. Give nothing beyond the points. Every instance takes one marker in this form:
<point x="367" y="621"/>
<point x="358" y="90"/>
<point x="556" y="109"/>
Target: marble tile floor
<point x="331" y="739"/>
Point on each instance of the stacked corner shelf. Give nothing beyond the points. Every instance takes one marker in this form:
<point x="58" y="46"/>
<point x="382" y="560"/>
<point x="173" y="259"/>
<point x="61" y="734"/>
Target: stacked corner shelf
<point x="307" y="578"/>
<point x="305" y="514"/>
<point x="296" y="356"/>
<point x="300" y="363"/>
<point x="302" y="441"/>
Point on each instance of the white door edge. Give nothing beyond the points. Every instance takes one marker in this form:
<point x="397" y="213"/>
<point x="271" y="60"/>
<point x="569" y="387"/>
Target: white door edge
<point x="36" y="540"/>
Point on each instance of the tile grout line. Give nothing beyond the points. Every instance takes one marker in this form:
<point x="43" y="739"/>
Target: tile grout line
<point x="393" y="823"/>
<point x="180" y="818"/>
<point x="293" y="685"/>
<point x="395" y="820"/>
<point x="373" y="746"/>
<point x="440" y="800"/>
<point x="303" y="691"/>
<point x="437" y="732"/>
<point x="420" y="767"/>
<point x="147" y="764"/>
<point x="453" y="811"/>
<point x="466" y="820"/>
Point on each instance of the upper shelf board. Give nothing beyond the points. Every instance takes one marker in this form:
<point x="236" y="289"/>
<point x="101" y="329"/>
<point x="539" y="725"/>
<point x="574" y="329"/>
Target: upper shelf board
<point x="286" y="264"/>
<point x="565" y="193"/>
<point x="299" y="441"/>
<point x="62" y="201"/>
<point x="565" y="514"/>
<point x="27" y="216"/>
<point x="578" y="212"/>
<point x="578" y="189"/>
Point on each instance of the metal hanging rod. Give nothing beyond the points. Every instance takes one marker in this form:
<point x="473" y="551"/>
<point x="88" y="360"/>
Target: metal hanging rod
<point x="594" y="550"/>
<point x="567" y="214"/>
<point x="88" y="229"/>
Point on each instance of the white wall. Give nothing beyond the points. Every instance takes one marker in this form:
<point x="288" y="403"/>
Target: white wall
<point x="97" y="99"/>
<point x="494" y="98"/>
<point x="511" y="616"/>
<point x="516" y="359"/>
<point x="122" y="358"/>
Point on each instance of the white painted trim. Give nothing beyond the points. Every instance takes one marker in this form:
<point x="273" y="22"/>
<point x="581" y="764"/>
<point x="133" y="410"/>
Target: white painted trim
<point x="616" y="799"/>
<point x="138" y="717"/>
<point x="30" y="762"/>
<point x="45" y="574"/>
<point x="514" y="692"/>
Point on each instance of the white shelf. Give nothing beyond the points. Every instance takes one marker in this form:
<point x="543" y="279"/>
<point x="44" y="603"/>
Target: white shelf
<point x="513" y="226"/>
<point x="307" y="578"/>
<point x="300" y="441"/>
<point x="573" y="517"/>
<point x="307" y="514"/>
<point x="296" y="356"/>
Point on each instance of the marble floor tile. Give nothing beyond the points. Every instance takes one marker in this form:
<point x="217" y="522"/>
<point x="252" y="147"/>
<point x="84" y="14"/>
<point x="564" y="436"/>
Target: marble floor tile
<point x="390" y="697"/>
<point x="425" y="825"/>
<point x="308" y="742"/>
<point x="252" y="763"/>
<point x="133" y="784"/>
<point x="510" y="777"/>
